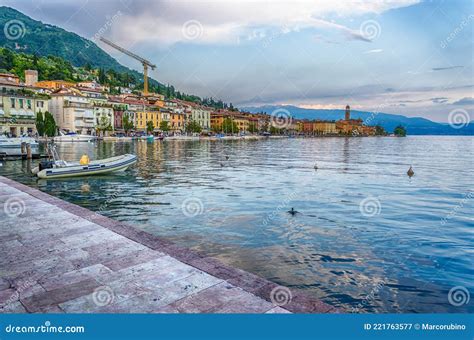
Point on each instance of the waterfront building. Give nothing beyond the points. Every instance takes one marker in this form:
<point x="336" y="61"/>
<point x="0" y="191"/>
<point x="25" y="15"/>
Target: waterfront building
<point x="103" y="112"/>
<point x="349" y="126"/>
<point x="202" y="116"/>
<point x="72" y="111"/>
<point x="323" y="127"/>
<point x="177" y="121"/>
<point x="240" y="119"/>
<point x="147" y="113"/>
<point x="307" y="127"/>
<point x="18" y="109"/>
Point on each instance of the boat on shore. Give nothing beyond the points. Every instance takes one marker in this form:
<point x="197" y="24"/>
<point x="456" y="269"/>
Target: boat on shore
<point x="62" y="169"/>
<point x="73" y="137"/>
<point x="11" y="147"/>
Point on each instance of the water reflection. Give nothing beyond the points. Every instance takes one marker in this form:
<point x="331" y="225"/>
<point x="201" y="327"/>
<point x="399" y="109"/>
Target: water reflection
<point x="401" y="260"/>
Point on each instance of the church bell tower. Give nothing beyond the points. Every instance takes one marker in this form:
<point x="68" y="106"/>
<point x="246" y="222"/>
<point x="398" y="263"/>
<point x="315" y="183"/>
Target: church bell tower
<point x="348" y="112"/>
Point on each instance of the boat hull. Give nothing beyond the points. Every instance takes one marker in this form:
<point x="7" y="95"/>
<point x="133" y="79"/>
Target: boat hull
<point x="102" y="167"/>
<point x="12" y="147"/>
<point x="72" y="139"/>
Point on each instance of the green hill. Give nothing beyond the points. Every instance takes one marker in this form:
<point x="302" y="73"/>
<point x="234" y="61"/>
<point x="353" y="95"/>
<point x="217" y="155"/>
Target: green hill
<point x="35" y="37"/>
<point x="56" y="53"/>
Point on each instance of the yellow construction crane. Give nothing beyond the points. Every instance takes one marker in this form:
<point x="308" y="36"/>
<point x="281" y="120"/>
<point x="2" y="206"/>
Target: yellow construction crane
<point x="144" y="62"/>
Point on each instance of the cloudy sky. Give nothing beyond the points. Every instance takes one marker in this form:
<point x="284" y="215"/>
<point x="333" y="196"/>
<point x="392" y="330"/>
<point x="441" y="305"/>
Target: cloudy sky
<point x="408" y="56"/>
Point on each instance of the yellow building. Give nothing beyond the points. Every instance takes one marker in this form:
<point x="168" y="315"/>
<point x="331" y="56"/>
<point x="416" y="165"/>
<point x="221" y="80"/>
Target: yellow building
<point x="324" y="127"/>
<point x="177" y="121"/>
<point x="217" y="119"/>
<point x="150" y="114"/>
<point x="54" y="84"/>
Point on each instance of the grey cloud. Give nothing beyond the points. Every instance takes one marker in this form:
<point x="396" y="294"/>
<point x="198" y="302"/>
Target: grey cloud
<point x="446" y="68"/>
<point x="465" y="101"/>
<point x="439" y="100"/>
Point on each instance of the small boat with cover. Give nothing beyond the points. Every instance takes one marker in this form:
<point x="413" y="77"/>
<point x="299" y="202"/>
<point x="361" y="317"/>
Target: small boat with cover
<point x="57" y="168"/>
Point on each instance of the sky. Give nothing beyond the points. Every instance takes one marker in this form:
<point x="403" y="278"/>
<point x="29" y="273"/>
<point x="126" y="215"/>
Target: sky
<point x="410" y="57"/>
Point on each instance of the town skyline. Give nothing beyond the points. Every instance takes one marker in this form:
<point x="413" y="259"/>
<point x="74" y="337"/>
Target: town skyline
<point x="384" y="56"/>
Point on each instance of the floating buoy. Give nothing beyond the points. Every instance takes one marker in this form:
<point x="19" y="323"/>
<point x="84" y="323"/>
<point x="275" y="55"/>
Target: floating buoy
<point x="410" y="172"/>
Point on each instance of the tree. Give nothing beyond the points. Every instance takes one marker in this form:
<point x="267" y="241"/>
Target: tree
<point x="275" y="131"/>
<point x="379" y="131"/>
<point x="229" y="126"/>
<point x="127" y="123"/>
<point x="252" y="128"/>
<point x="400" y="131"/>
<point x="49" y="124"/>
<point x="193" y="127"/>
<point x="40" y="123"/>
<point x="104" y="124"/>
<point x="149" y="126"/>
<point x="164" y="126"/>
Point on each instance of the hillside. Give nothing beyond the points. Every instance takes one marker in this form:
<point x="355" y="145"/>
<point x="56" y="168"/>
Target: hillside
<point x="414" y="126"/>
<point x="43" y="39"/>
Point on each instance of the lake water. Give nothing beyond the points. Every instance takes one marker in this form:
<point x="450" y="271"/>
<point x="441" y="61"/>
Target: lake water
<point x="367" y="237"/>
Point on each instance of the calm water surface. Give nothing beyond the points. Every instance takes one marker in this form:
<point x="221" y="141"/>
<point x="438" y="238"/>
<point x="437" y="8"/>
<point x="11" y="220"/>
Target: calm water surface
<point x="229" y="199"/>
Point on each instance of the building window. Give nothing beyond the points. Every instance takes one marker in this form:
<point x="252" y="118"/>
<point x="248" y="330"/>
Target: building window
<point x="20" y="103"/>
<point x="28" y="104"/>
<point x="12" y="102"/>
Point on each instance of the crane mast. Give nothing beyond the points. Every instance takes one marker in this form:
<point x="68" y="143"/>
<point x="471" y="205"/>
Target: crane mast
<point x="144" y="62"/>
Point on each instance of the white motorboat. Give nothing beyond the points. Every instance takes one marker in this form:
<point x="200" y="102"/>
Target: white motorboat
<point x="61" y="169"/>
<point x="73" y="137"/>
<point x="11" y="147"/>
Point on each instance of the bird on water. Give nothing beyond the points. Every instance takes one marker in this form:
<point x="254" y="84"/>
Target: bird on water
<point x="293" y="211"/>
<point x="410" y="172"/>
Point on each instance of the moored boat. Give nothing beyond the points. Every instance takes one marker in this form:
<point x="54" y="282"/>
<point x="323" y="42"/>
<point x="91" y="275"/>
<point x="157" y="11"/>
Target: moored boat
<point x="11" y="147"/>
<point x="62" y="169"/>
<point x="73" y="137"/>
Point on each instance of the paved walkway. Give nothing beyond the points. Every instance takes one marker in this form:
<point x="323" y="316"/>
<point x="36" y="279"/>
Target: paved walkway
<point x="56" y="257"/>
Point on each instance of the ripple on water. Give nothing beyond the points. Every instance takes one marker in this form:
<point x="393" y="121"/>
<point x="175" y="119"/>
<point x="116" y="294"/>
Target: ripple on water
<point x="404" y="258"/>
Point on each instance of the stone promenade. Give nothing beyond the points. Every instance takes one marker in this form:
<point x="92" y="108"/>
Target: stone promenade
<point x="57" y="257"/>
